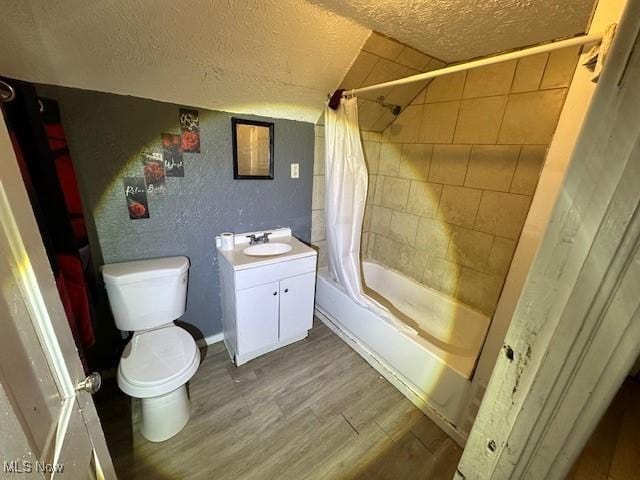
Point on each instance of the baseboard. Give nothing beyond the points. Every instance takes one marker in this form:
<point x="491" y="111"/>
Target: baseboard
<point x="211" y="339"/>
<point x="392" y="376"/>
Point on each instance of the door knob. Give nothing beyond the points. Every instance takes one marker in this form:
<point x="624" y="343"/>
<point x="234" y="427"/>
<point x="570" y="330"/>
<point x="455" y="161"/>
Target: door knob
<point x="91" y="384"/>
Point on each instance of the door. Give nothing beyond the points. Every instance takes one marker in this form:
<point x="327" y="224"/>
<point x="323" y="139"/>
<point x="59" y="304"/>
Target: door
<point x="257" y="317"/>
<point x="296" y="305"/>
<point x="50" y="428"/>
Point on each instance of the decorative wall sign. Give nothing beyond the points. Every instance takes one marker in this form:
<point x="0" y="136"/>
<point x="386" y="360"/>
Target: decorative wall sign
<point x="190" y="126"/>
<point x="154" y="172"/>
<point x="172" y="155"/>
<point x="136" y="194"/>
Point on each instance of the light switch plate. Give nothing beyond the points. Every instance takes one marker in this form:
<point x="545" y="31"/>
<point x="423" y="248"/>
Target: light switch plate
<point x="295" y="170"/>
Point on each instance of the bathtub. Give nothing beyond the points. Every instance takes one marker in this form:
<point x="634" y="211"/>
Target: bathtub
<point x="431" y="362"/>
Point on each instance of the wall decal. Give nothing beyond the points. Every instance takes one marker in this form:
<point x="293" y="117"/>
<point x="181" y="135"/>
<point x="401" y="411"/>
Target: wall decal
<point x="190" y="126"/>
<point x="172" y="154"/>
<point x="136" y="194"/>
<point x="154" y="172"/>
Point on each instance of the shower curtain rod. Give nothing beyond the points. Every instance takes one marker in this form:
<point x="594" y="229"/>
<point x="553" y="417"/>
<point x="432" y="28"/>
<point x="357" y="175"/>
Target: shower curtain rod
<point x="548" y="47"/>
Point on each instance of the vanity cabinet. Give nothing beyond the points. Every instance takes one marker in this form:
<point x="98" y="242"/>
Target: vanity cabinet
<point x="267" y="303"/>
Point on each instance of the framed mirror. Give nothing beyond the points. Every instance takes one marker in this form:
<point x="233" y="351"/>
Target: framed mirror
<point x="252" y="149"/>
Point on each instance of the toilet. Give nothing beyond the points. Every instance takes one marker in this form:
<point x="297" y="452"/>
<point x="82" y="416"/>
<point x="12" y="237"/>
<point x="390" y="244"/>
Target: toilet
<point x="146" y="297"/>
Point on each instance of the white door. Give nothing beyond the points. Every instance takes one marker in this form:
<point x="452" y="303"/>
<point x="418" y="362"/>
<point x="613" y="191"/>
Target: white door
<point x="257" y="317"/>
<point x="296" y="305"/>
<point x="48" y="428"/>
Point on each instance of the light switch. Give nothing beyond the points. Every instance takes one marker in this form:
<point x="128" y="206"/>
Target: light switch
<point x="295" y="170"/>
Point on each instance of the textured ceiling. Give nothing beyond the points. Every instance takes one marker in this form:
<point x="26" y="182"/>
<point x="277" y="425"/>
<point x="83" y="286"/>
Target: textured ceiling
<point x="276" y="58"/>
<point x="453" y="30"/>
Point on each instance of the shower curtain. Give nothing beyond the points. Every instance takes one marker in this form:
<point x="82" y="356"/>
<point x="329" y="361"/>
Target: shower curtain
<point x="346" y="182"/>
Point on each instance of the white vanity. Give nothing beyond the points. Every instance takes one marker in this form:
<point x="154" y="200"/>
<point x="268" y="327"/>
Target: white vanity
<point x="267" y="291"/>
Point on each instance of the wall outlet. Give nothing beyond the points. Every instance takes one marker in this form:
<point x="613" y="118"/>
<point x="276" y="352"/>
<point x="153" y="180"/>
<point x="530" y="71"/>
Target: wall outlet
<point x="295" y="170"/>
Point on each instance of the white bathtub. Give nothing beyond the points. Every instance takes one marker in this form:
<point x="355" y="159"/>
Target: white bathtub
<point x="434" y="364"/>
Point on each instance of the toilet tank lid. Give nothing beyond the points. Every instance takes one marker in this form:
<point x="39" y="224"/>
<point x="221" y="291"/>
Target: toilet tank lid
<point x="129" y="272"/>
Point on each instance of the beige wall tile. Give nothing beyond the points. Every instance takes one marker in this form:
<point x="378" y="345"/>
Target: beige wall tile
<point x="458" y="205"/>
<point x="560" y="68"/>
<point x="447" y="87"/>
<point x="384" y="121"/>
<point x="412" y="58"/>
<point x="415" y="160"/>
<point x="433" y="237"/>
<point x="368" y="253"/>
<point x="317" y="197"/>
<point x="386" y="251"/>
<point x="368" y="113"/>
<point x="383" y="46"/>
<point x="390" y="155"/>
<point x="318" y="131"/>
<point x="441" y="275"/>
<point x="449" y="164"/>
<point x="479" y="290"/>
<point x="383" y="71"/>
<point x="438" y="122"/>
<point x="502" y="213"/>
<point x="424" y="198"/>
<point x="317" y="226"/>
<point x="528" y="170"/>
<point x="479" y="120"/>
<point x="489" y="80"/>
<point x="369" y="136"/>
<point x="379" y="187"/>
<point x="403" y="228"/>
<point x="380" y="220"/>
<point x="359" y="70"/>
<point x="372" y="156"/>
<point x="500" y="256"/>
<point x="406" y="126"/>
<point x="491" y="166"/>
<point x="364" y="244"/>
<point x="411" y="262"/>
<point x="395" y="192"/>
<point x="366" y="221"/>
<point x="469" y="248"/>
<point x="419" y="100"/>
<point x="321" y="247"/>
<point x="531" y="118"/>
<point x="403" y="94"/>
<point x="529" y="73"/>
<point x="318" y="156"/>
<point x="371" y="189"/>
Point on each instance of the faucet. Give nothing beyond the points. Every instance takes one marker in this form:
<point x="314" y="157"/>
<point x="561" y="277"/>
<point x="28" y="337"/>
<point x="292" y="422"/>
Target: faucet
<point x="264" y="238"/>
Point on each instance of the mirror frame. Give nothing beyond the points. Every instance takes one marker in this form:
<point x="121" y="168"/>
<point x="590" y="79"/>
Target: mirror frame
<point x="241" y="121"/>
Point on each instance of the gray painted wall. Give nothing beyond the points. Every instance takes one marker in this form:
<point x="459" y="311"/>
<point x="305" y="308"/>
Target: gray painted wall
<point x="106" y="134"/>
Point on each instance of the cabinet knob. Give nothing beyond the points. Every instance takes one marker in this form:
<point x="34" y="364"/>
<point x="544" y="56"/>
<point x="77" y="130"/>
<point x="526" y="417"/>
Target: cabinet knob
<point x="286" y="290"/>
<point x="275" y="293"/>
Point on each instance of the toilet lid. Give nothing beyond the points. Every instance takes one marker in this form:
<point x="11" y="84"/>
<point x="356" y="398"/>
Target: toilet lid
<point x="156" y="356"/>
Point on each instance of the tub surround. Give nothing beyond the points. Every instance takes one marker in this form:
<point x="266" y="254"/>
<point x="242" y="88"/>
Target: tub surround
<point x="106" y="134"/>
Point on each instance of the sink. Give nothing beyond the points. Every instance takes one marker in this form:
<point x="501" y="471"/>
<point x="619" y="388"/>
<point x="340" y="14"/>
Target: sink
<point x="266" y="249"/>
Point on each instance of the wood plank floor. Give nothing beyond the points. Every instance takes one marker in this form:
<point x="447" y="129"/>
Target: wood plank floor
<point x="312" y="410"/>
<point x="613" y="451"/>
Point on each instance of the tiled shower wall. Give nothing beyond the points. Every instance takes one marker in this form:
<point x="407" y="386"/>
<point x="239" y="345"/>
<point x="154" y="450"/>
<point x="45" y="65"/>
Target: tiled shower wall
<point x="451" y="179"/>
<point x="453" y="182"/>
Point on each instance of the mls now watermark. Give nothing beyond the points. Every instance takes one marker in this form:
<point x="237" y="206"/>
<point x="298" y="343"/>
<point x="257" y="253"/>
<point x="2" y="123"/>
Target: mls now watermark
<point x="26" y="466"/>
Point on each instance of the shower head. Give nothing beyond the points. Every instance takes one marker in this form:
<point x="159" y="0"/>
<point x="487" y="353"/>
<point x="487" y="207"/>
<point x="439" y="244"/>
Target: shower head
<point x="395" y="109"/>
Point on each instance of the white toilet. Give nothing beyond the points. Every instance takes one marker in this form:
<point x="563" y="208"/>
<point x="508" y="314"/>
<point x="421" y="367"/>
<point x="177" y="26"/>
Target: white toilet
<point x="146" y="297"/>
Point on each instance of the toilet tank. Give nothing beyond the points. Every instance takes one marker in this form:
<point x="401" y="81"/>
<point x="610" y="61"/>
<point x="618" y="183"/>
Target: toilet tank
<point x="146" y="293"/>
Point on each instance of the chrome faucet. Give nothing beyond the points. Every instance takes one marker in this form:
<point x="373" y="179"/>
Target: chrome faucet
<point x="264" y="238"/>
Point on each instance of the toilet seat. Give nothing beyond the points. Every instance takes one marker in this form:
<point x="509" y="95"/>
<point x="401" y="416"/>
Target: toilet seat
<point x="156" y="362"/>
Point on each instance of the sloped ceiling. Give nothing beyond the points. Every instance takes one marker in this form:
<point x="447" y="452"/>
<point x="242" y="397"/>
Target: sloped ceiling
<point x="276" y="58"/>
<point x="453" y="30"/>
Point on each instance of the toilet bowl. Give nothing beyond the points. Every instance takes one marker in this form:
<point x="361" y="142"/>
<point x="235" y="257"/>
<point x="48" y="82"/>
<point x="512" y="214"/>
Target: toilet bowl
<point x="155" y="367"/>
<point x="146" y="296"/>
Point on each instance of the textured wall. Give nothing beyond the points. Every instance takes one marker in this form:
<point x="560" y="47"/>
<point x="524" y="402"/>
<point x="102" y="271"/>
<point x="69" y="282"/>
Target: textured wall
<point x="455" y="30"/>
<point x="106" y="133"/>
<point x="456" y="171"/>
<point x="276" y="58"/>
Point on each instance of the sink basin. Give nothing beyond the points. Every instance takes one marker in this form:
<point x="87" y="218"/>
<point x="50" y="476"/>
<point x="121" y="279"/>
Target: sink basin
<point x="266" y="249"/>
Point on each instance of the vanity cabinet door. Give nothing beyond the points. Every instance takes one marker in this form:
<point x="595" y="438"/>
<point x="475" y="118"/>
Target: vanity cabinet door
<point x="296" y="304"/>
<point x="257" y="317"/>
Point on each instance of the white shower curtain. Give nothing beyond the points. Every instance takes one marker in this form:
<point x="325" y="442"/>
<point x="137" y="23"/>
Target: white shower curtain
<point x="346" y="181"/>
